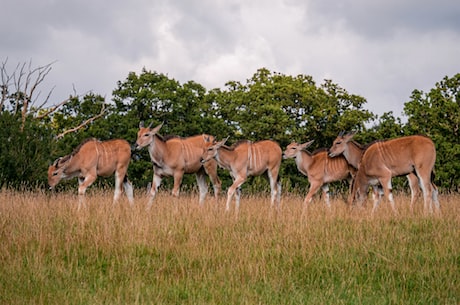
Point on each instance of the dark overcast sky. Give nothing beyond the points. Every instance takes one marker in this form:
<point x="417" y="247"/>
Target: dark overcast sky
<point x="381" y="50"/>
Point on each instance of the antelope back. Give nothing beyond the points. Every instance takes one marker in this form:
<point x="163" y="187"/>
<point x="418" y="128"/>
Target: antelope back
<point x="263" y="155"/>
<point x="400" y="155"/>
<point x="111" y="155"/>
<point x="193" y="147"/>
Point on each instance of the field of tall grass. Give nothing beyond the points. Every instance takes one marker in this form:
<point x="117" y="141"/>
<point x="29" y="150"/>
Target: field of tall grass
<point x="181" y="253"/>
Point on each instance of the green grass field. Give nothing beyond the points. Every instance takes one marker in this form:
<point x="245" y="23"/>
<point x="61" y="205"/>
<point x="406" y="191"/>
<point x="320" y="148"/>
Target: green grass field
<point x="181" y="253"/>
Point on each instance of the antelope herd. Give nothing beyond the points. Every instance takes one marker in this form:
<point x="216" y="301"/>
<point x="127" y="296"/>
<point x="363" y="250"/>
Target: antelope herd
<point x="372" y="165"/>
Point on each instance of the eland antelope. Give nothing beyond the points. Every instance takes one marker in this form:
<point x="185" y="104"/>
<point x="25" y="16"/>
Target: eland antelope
<point x="412" y="156"/>
<point x="175" y="157"/>
<point x="319" y="168"/>
<point x="244" y="159"/>
<point x="93" y="158"/>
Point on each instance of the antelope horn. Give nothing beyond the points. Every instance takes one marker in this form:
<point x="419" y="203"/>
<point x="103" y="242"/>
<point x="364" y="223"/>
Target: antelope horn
<point x="56" y="162"/>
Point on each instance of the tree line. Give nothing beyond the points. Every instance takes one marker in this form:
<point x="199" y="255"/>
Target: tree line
<point x="269" y="105"/>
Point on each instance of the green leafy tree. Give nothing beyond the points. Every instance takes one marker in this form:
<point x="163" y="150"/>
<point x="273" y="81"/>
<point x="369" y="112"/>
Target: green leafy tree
<point x="436" y="114"/>
<point x="24" y="150"/>
<point x="285" y="108"/>
<point x="154" y="98"/>
<point x="386" y="127"/>
<point x="78" y="119"/>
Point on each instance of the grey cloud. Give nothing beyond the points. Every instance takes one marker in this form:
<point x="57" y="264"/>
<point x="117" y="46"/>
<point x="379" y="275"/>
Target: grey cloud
<point x="22" y="25"/>
<point x="375" y="19"/>
<point x="207" y="26"/>
<point x="379" y="49"/>
<point x="123" y="26"/>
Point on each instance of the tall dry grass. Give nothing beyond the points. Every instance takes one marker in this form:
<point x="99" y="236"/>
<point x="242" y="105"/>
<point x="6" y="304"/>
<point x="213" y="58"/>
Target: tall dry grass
<point x="181" y="253"/>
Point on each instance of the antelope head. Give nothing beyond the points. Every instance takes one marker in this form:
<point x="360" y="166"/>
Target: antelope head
<point x="145" y="135"/>
<point x="294" y="148"/>
<point x="211" y="150"/>
<point x="340" y="143"/>
<point x="56" y="170"/>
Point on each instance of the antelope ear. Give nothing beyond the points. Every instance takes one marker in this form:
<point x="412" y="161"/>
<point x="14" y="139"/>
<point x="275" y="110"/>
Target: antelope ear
<point x="207" y="138"/>
<point x="141" y="124"/>
<point x="156" y="129"/>
<point x="350" y="135"/>
<point x="307" y="144"/>
<point x="220" y="143"/>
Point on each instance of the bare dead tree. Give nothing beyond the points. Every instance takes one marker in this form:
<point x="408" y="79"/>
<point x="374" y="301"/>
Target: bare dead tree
<point x="6" y="83"/>
<point x="21" y="87"/>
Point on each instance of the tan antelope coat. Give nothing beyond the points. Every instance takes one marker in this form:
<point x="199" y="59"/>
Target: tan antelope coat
<point x="397" y="157"/>
<point x="319" y="168"/>
<point x="352" y="151"/>
<point x="176" y="157"/>
<point x="93" y="158"/>
<point x="245" y="159"/>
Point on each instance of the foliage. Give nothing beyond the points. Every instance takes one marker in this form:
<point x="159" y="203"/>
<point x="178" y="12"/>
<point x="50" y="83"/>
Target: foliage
<point x="387" y="127"/>
<point x="436" y="114"/>
<point x="285" y="108"/>
<point x="24" y="155"/>
<point x="154" y="98"/>
<point x="72" y="114"/>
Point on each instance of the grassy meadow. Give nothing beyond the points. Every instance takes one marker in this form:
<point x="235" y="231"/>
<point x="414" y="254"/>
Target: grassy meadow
<point x="181" y="253"/>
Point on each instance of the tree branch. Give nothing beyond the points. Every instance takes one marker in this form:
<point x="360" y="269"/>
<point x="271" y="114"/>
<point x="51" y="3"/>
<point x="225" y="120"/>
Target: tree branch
<point x="52" y="109"/>
<point x="88" y="121"/>
<point x="55" y="107"/>
<point x="6" y="82"/>
<point x="42" y="105"/>
<point x="21" y="87"/>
